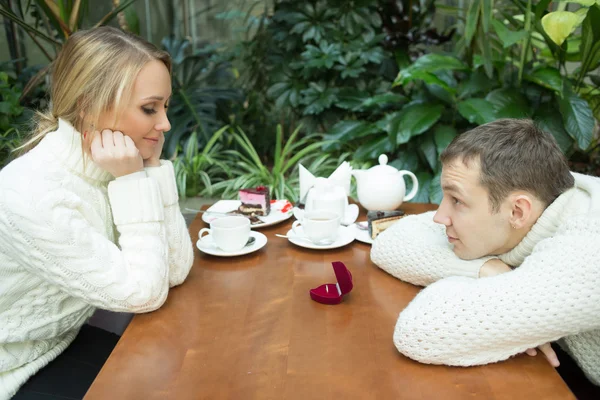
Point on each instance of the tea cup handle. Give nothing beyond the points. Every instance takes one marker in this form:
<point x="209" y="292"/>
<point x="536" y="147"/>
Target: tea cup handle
<point x="415" y="187"/>
<point x="295" y="225"/>
<point x="350" y="215"/>
<point x="203" y="230"/>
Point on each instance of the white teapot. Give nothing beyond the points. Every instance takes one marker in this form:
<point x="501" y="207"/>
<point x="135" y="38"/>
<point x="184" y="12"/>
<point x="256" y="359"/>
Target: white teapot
<point x="382" y="188"/>
<point x="325" y="195"/>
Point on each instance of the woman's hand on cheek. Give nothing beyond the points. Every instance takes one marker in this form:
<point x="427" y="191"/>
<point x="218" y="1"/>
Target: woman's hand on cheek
<point x="154" y="159"/>
<point x="116" y="153"/>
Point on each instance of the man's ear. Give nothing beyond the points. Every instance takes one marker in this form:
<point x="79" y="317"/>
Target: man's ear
<point x="522" y="210"/>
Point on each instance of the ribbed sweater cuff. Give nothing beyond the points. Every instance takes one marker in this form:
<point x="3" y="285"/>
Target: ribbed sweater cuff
<point x="468" y="268"/>
<point x="134" y="201"/>
<point x="165" y="176"/>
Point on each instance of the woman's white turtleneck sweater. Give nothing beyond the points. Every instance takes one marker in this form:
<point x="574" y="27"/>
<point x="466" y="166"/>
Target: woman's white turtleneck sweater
<point x="72" y="239"/>
<point x="553" y="293"/>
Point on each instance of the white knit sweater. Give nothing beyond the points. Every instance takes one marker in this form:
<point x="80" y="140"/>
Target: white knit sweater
<point x="553" y="293"/>
<point x="59" y="254"/>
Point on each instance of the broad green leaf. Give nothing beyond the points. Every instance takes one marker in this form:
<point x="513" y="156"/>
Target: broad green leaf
<point x="549" y="120"/>
<point x="477" y="111"/>
<point x="547" y="77"/>
<point x="509" y="103"/>
<point x="374" y="148"/>
<point x="560" y="24"/>
<point x="443" y="136"/>
<point x="407" y="159"/>
<point x="349" y="130"/>
<point x="441" y="93"/>
<point x="507" y="36"/>
<point x="415" y="119"/>
<point x="435" y="189"/>
<point x="380" y="100"/>
<point x="429" y="151"/>
<point x="478" y="82"/>
<point x="578" y="118"/>
<point x="410" y="74"/>
<point x="424" y="179"/>
<point x="349" y="98"/>
<point x="437" y="62"/>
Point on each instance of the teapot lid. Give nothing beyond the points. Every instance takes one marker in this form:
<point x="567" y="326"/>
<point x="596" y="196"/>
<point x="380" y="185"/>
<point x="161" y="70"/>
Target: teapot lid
<point x="383" y="168"/>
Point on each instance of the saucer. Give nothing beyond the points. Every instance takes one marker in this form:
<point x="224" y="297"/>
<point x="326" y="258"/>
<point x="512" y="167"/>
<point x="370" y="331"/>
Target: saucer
<point x="208" y="246"/>
<point x="362" y="235"/>
<point x="346" y="236"/>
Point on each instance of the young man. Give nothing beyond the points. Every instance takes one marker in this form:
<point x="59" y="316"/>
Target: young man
<point x="514" y="216"/>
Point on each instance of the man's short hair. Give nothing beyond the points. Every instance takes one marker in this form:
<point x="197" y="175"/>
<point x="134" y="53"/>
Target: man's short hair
<point x="514" y="154"/>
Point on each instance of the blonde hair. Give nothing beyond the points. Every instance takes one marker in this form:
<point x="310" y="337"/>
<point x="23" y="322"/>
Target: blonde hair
<point x="94" y="72"/>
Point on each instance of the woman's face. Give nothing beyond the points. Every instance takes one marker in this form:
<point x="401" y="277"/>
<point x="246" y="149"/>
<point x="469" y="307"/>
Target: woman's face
<point x="144" y="119"/>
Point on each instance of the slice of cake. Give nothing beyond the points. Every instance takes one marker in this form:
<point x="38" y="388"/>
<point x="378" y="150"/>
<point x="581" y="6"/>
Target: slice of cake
<point x="379" y="221"/>
<point x="256" y="201"/>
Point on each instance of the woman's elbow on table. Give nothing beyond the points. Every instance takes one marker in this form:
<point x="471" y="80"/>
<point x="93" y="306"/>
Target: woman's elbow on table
<point x="179" y="276"/>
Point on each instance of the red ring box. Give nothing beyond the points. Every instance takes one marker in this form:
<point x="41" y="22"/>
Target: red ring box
<point x="331" y="293"/>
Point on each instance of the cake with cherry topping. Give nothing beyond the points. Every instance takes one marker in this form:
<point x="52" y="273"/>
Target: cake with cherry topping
<point x="379" y="221"/>
<point x="255" y="201"/>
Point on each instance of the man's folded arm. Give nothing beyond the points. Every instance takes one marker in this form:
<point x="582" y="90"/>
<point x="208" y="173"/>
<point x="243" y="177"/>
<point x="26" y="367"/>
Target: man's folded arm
<point x="553" y="294"/>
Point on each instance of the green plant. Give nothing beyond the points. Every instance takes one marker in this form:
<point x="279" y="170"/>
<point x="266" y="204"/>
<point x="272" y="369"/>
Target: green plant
<point x="446" y="94"/>
<point x="202" y="93"/>
<point x="196" y="171"/>
<point x="11" y="114"/>
<point x="54" y="22"/>
<point x="248" y="170"/>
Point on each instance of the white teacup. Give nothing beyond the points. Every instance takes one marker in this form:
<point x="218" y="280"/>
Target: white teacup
<point x="320" y="227"/>
<point x="228" y="233"/>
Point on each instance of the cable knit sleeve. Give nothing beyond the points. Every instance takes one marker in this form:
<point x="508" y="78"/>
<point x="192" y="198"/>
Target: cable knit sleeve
<point x="50" y="237"/>
<point x="181" y="253"/>
<point x="416" y="250"/>
<point x="554" y="293"/>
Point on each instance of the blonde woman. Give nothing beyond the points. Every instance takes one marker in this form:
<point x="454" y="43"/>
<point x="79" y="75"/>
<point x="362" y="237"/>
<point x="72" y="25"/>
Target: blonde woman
<point x="89" y="216"/>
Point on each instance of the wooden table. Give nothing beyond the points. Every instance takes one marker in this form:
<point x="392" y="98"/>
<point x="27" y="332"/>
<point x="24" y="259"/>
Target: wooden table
<point x="246" y="328"/>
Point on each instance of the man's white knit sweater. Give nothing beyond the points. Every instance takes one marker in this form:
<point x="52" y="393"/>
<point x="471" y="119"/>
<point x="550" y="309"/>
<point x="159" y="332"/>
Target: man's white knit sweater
<point x="553" y="293"/>
<point x="59" y="254"/>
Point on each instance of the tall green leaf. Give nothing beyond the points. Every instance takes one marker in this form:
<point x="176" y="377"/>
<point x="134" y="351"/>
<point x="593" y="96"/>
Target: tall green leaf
<point x="428" y="149"/>
<point x="577" y="115"/>
<point x="509" y="103"/>
<point x="443" y="136"/>
<point x="471" y="21"/>
<point x="413" y="120"/>
<point x="590" y="40"/>
<point x="487" y="9"/>
<point x="435" y="189"/>
<point x="550" y="121"/>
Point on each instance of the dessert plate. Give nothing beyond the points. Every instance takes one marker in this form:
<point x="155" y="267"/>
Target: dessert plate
<point x="208" y="246"/>
<point x="280" y="211"/>
<point x="362" y="235"/>
<point x="345" y="237"/>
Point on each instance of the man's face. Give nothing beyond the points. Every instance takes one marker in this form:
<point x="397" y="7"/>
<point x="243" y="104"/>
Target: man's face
<point x="466" y="213"/>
